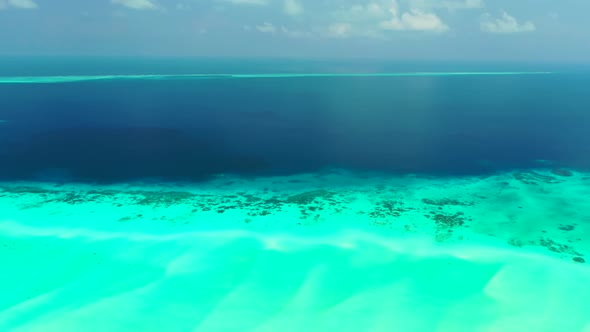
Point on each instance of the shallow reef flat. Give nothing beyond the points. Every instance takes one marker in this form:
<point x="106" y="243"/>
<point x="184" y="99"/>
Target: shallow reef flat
<point x="318" y="252"/>
<point x="534" y="208"/>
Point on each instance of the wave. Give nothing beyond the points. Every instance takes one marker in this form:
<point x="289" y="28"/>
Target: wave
<point x="72" y="79"/>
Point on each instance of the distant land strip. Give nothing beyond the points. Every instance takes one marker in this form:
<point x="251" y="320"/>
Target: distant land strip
<point x="70" y="79"/>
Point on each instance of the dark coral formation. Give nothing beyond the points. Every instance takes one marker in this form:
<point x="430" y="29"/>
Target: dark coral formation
<point x="446" y="201"/>
<point x="567" y="228"/>
<point x="449" y="221"/>
<point x="562" y="172"/>
<point x="446" y="222"/>
<point x="558" y="247"/>
<point x="311" y="204"/>
<point x="25" y="190"/>
<point x="309" y="196"/>
<point x="579" y="259"/>
<point x="516" y="242"/>
<point x="387" y="210"/>
<point x="161" y="198"/>
<point x="534" y="178"/>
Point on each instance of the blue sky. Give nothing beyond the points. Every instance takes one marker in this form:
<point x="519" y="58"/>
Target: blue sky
<point x="521" y="30"/>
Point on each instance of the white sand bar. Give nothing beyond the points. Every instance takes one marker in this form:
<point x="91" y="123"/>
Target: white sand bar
<point x="316" y="252"/>
<point x="85" y="78"/>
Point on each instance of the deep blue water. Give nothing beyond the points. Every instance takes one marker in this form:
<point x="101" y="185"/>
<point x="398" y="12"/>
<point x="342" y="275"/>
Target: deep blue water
<point x="191" y="129"/>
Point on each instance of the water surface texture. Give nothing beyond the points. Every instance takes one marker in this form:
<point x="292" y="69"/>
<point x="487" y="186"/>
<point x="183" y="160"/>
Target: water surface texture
<point x="226" y="195"/>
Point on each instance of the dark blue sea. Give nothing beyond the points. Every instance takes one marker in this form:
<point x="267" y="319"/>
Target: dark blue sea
<point x="190" y="129"/>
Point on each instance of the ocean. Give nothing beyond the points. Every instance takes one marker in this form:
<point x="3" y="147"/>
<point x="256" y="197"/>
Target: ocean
<point x="264" y="195"/>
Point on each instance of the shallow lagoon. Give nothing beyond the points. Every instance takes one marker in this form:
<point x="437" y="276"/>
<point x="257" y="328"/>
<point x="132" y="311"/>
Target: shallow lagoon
<point x="314" y="251"/>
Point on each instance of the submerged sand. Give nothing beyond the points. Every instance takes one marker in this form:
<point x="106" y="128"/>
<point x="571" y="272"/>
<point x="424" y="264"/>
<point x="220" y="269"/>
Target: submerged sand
<point x="313" y="252"/>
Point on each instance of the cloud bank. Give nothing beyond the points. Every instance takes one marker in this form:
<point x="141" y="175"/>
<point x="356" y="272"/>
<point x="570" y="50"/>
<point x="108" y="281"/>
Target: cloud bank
<point x="20" y="4"/>
<point x="293" y="7"/>
<point x="415" y="19"/>
<point x="136" y="4"/>
<point x="377" y="18"/>
<point x="247" y="2"/>
<point x="505" y="24"/>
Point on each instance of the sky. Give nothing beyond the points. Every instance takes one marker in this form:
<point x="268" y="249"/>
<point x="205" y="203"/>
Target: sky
<point x="466" y="30"/>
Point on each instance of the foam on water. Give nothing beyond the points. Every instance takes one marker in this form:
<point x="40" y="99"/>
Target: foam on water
<point x="83" y="78"/>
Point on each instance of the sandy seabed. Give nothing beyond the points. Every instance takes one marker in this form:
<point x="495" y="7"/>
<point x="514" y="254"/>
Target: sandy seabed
<point x="332" y="251"/>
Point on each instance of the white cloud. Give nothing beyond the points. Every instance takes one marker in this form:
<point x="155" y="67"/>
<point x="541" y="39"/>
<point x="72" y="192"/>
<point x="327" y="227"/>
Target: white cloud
<point x="272" y="29"/>
<point x="375" y="18"/>
<point x="295" y="33"/>
<point x="346" y="30"/>
<point x="340" y="30"/>
<point x="21" y="4"/>
<point x="248" y="2"/>
<point x="505" y="24"/>
<point x="293" y="7"/>
<point x="24" y="4"/>
<point x="415" y="19"/>
<point x="466" y="4"/>
<point x="266" y="28"/>
<point x="136" y="4"/>
<point x="356" y="13"/>
<point x="451" y="5"/>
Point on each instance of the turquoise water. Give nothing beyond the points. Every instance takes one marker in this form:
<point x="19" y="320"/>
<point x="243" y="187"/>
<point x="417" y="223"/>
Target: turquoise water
<point x="310" y="252"/>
